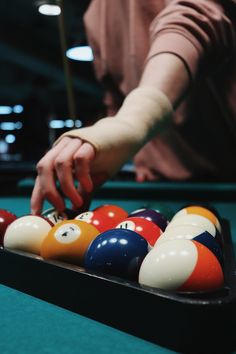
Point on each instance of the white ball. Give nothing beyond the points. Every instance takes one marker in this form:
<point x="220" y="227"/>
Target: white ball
<point x="199" y="210"/>
<point x="168" y="265"/>
<point x="27" y="233"/>
<point x="182" y="265"/>
<point x="192" y="219"/>
<point x="180" y="232"/>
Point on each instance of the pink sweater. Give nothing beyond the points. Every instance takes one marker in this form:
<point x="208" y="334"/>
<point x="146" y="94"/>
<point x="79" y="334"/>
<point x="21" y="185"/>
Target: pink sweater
<point x="124" y="34"/>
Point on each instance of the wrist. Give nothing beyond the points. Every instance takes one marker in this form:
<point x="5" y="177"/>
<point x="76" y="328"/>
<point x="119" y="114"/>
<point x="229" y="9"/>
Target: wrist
<point x="147" y="109"/>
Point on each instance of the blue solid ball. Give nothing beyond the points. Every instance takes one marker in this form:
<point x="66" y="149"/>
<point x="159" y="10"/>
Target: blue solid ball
<point x="117" y="252"/>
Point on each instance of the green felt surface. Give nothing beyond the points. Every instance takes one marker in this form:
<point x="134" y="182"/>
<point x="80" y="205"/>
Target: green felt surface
<point x="29" y="325"/>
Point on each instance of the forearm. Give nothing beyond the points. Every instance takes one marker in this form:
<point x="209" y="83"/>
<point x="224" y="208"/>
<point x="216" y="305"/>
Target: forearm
<point x="188" y="39"/>
<point x="168" y="73"/>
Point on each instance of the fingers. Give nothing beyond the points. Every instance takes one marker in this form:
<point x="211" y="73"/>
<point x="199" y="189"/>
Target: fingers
<point x="64" y="166"/>
<point x="45" y="187"/>
<point x="38" y="198"/>
<point x="68" y="159"/>
<point x="97" y="181"/>
<point x="87" y="198"/>
<point x="143" y="174"/>
<point x="82" y="162"/>
<point x="36" y="202"/>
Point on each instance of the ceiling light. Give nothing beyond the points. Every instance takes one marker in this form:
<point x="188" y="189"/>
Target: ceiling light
<point x="18" y="125"/>
<point x="49" y="7"/>
<point x="56" y="124"/>
<point x="10" y="138"/>
<point x="80" y="53"/>
<point x="18" y="108"/>
<point x="78" y="123"/>
<point x="7" y="126"/>
<point x="5" y="110"/>
<point x="8" y="109"/>
<point x="3" y="147"/>
<point x="69" y="123"/>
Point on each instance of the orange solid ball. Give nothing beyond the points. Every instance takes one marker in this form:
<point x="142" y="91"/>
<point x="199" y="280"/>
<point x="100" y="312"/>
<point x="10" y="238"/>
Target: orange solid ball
<point x="68" y="241"/>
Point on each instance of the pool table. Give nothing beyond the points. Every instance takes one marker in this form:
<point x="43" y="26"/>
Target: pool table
<point x="31" y="322"/>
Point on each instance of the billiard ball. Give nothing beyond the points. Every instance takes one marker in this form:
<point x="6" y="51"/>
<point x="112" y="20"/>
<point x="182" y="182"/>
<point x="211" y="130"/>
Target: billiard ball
<point x="6" y="218"/>
<point x="26" y="233"/>
<point x="114" y="212"/>
<point x="179" y="232"/>
<point x="204" y="205"/>
<point x="199" y="210"/>
<point x="68" y="241"/>
<point x="144" y="227"/>
<point x="192" y="219"/>
<point x="53" y="215"/>
<point x="150" y="214"/>
<point x="192" y="232"/>
<point x="183" y="266"/>
<point x="117" y="252"/>
<point x="101" y="221"/>
<point x="159" y="207"/>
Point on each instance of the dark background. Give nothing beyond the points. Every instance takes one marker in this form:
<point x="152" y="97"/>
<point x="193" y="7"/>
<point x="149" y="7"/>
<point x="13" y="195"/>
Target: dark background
<point x="32" y="74"/>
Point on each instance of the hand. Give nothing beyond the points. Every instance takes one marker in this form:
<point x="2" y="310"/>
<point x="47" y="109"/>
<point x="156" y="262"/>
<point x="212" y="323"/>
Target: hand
<point x="95" y="153"/>
<point x="143" y="172"/>
<point x="66" y="162"/>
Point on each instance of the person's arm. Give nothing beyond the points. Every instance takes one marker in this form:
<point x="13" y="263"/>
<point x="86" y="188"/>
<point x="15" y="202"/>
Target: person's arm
<point x="190" y="40"/>
<point x="187" y="38"/>
<point x="168" y="73"/>
<point x="184" y="35"/>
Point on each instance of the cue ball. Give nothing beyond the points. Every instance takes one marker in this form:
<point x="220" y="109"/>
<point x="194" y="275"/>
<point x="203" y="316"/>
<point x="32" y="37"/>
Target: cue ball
<point x="118" y="252"/>
<point x="68" y="241"/>
<point x="27" y="233"/>
<point x="6" y="218"/>
<point x="181" y="265"/>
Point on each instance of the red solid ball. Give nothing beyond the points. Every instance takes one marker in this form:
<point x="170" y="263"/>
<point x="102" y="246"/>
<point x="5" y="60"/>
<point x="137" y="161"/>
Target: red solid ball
<point x="6" y="218"/>
<point x="144" y="227"/>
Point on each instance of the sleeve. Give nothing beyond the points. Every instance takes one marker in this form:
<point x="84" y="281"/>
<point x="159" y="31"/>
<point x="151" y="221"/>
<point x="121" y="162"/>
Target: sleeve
<point x="198" y="32"/>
